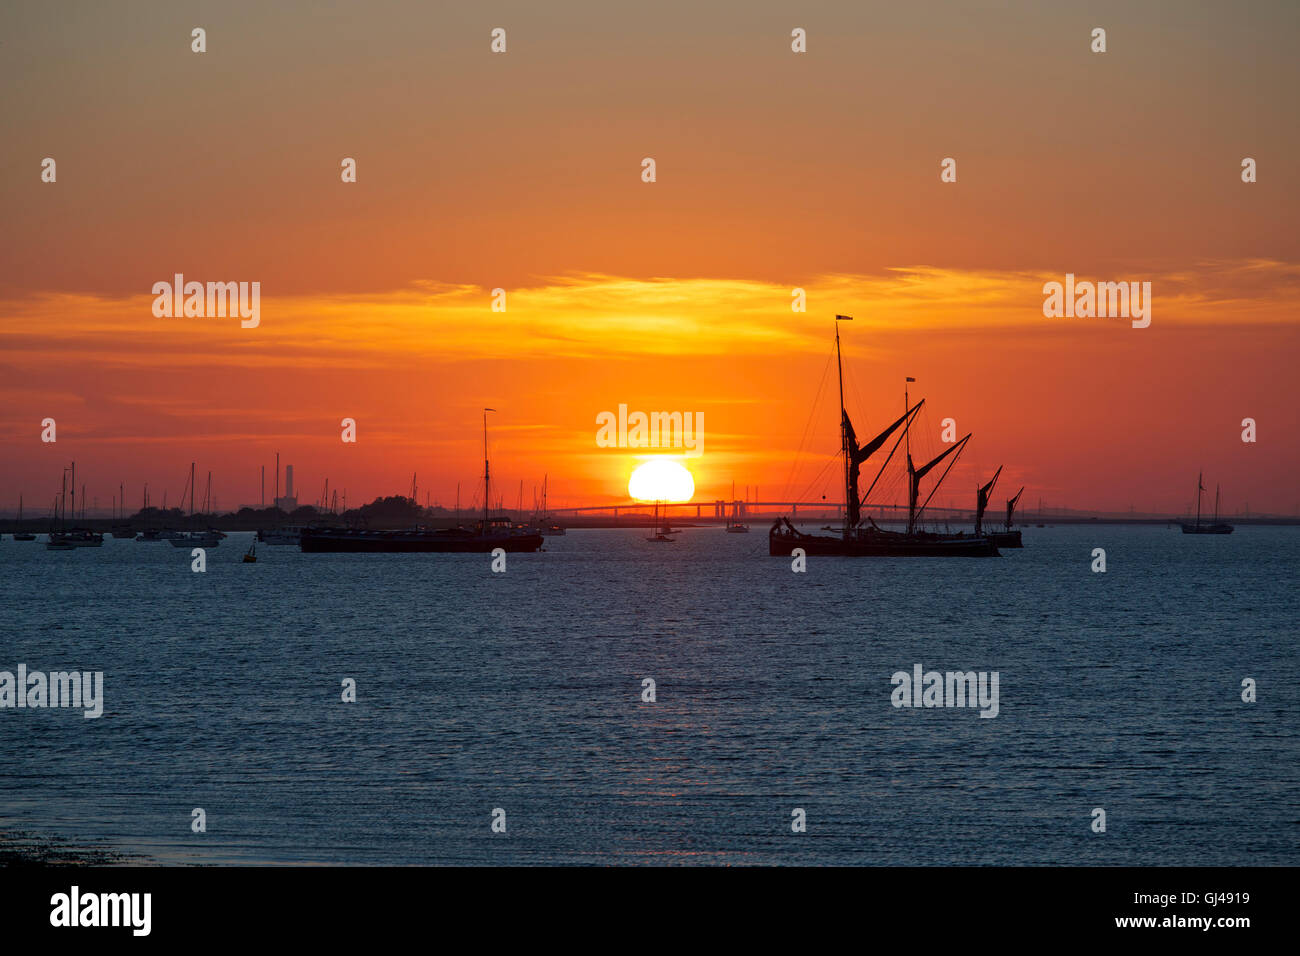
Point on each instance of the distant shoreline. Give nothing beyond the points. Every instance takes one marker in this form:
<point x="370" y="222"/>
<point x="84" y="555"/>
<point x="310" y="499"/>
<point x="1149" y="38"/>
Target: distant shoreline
<point x="680" y="519"/>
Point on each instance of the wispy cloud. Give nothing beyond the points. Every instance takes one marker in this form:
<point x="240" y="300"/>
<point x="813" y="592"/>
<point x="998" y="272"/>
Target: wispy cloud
<point x="593" y="315"/>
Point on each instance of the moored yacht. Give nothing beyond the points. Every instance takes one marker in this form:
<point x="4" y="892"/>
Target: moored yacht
<point x="1214" y="527"/>
<point x="19" y="534"/>
<point x="734" y="524"/>
<point x="287" y="535"/>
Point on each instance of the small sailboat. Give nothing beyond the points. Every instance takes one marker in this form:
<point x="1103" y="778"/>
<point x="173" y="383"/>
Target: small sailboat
<point x="194" y="539"/>
<point x="121" y="526"/>
<point x="19" y="534"/>
<point x="661" y="531"/>
<point x="250" y="557"/>
<point x="734" y="524"/>
<point x="547" y="526"/>
<point x="67" y="538"/>
<point x="1216" y="527"/>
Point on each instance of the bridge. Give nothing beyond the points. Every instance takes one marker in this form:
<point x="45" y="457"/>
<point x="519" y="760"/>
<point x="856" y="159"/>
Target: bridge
<point x="719" y="510"/>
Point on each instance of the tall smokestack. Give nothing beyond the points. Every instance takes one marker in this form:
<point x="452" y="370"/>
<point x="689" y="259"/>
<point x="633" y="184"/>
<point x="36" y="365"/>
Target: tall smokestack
<point x="288" y="481"/>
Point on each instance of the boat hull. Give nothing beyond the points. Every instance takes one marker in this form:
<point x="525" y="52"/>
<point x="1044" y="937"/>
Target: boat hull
<point x="1207" y="529"/>
<point x="60" y="540"/>
<point x="882" y="545"/>
<point x="195" y="541"/>
<point x="1005" y="539"/>
<point x="280" y="536"/>
<point x="412" y="542"/>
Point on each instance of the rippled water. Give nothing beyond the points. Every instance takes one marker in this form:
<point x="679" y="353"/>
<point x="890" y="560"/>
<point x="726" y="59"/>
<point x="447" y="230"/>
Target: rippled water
<point x="523" y="691"/>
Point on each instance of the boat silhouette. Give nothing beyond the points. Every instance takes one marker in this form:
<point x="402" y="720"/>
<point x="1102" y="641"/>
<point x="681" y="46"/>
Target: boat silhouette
<point x="489" y="534"/>
<point x="859" y="538"/>
<point x="1215" y="527"/>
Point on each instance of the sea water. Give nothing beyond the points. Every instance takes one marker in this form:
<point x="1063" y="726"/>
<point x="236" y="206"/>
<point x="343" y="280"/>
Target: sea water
<point x="524" y="692"/>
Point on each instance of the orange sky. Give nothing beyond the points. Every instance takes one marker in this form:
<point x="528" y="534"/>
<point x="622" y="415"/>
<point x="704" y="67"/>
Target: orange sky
<point x="521" y="171"/>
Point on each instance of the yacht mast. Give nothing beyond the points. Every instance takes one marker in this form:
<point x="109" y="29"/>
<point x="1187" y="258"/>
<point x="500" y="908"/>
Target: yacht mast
<point x="844" y="430"/>
<point x="487" y="481"/>
<point x="1199" y="488"/>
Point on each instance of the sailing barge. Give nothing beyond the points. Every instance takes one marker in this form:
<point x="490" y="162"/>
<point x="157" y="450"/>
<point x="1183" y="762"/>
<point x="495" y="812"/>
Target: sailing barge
<point x="1003" y="539"/>
<point x="859" y="539"/>
<point x="486" y="536"/>
<point x="500" y="534"/>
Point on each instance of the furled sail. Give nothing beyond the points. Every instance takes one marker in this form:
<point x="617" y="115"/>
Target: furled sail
<point x="1011" y="505"/>
<point x="916" y="474"/>
<point x="982" y="500"/>
<point x="857" y="455"/>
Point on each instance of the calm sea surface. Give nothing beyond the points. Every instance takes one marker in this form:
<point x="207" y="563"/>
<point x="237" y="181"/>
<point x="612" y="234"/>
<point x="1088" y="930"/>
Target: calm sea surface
<point x="523" y="691"/>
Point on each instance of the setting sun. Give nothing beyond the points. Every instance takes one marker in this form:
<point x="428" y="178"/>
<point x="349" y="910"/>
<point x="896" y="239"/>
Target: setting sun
<point x="661" y="479"/>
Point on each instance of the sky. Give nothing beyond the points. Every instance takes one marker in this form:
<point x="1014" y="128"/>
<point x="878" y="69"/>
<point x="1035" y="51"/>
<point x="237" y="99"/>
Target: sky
<point x="522" y="171"/>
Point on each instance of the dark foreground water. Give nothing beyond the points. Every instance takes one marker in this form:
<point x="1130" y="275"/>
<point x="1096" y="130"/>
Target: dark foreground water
<point x="522" y="691"/>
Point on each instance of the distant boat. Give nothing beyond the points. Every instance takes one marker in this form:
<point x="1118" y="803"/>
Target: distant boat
<point x="64" y="539"/>
<point x="196" y="539"/>
<point x="280" y="536"/>
<point x="866" y="539"/>
<point x="1008" y="538"/>
<point x="251" y="556"/>
<point x="661" y="531"/>
<point x="1216" y="527"/>
<point x="121" y="527"/>
<point x="74" y="538"/>
<point x="546" y="524"/>
<point x="734" y="524"/>
<point x="488" y="535"/>
<point x="22" y="535"/>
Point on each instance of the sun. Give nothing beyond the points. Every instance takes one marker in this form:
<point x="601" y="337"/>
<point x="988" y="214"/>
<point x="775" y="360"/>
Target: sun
<point x="661" y="479"/>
